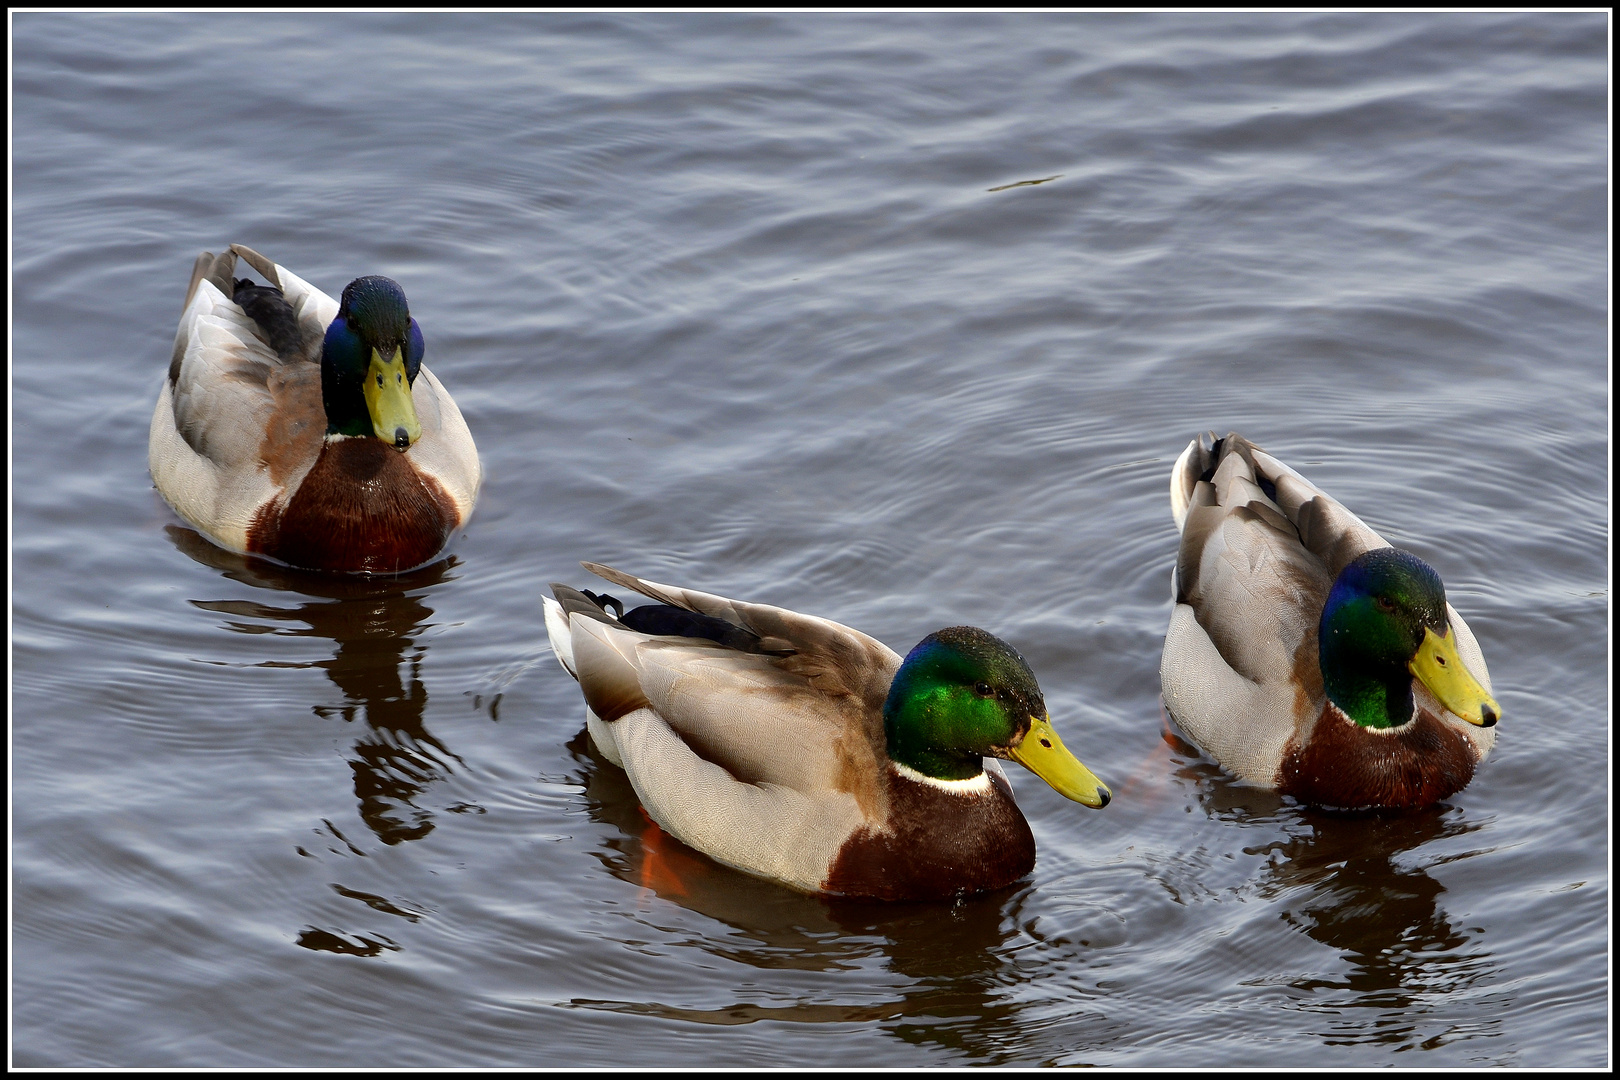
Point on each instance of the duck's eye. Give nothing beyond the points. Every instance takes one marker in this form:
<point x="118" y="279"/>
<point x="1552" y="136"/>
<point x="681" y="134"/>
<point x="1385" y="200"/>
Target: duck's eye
<point x="983" y="689"/>
<point x="1385" y="604"/>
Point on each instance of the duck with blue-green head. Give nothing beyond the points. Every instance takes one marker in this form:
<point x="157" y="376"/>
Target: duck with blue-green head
<point x="308" y="430"/>
<point x="1307" y="655"/>
<point x="798" y="749"/>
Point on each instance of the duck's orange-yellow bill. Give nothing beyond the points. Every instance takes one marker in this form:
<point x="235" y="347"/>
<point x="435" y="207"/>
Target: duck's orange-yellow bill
<point x="388" y="398"/>
<point x="1438" y="667"/>
<point x="1043" y="753"/>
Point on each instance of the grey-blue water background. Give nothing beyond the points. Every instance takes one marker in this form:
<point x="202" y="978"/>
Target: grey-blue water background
<point x="746" y="303"/>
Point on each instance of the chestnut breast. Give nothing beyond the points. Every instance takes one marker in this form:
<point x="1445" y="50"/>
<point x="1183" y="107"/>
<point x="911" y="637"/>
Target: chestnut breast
<point x="361" y="507"/>
<point x="1346" y="765"/>
<point x="937" y="844"/>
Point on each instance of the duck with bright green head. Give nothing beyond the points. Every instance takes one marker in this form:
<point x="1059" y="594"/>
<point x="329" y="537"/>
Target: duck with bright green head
<point x="800" y="750"/>
<point x="1307" y="655"/>
<point x="306" y="429"/>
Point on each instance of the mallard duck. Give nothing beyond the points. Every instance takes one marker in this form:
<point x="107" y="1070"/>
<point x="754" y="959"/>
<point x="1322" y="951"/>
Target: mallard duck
<point x="797" y="749"/>
<point x="1307" y="655"/>
<point x="308" y="430"/>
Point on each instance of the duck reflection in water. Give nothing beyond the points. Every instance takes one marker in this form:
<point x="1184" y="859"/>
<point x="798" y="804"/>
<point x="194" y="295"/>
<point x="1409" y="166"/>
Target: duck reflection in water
<point x="945" y="963"/>
<point x="1357" y="883"/>
<point x="374" y="622"/>
<point x="1386" y="919"/>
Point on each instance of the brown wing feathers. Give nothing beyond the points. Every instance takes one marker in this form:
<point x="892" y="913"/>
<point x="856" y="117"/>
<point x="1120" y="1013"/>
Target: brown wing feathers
<point x="833" y="659"/>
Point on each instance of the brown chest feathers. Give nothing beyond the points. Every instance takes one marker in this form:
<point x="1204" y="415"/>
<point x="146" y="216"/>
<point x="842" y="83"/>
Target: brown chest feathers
<point x="361" y="507"/>
<point x="939" y="844"/>
<point x="1346" y="765"/>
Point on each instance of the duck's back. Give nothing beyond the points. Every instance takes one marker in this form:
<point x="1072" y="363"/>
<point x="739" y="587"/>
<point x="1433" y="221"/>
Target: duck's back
<point x="1260" y="546"/>
<point x="237" y="423"/>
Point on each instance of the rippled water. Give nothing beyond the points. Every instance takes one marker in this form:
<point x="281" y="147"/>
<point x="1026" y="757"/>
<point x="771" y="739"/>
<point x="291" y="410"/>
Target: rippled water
<point x="747" y="303"/>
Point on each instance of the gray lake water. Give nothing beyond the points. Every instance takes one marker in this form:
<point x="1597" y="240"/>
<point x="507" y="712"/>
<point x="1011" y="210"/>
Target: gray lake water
<point x="747" y="303"/>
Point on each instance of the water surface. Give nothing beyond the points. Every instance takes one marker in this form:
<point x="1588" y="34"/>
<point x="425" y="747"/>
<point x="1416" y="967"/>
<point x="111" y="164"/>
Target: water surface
<point x="759" y="304"/>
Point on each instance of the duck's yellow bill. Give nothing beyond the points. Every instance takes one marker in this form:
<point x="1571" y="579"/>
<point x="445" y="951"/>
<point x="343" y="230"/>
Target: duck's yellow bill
<point x="1438" y="667"/>
<point x="1044" y="754"/>
<point x="388" y="398"/>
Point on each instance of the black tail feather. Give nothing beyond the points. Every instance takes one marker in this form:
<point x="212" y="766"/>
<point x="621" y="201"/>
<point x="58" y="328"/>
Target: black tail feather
<point x="657" y="620"/>
<point x="266" y="306"/>
<point x="665" y="621"/>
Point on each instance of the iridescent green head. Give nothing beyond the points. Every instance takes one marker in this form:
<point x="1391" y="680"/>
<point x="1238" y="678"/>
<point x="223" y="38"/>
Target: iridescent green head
<point x="963" y="695"/>
<point x="369" y="362"/>
<point x="1384" y="624"/>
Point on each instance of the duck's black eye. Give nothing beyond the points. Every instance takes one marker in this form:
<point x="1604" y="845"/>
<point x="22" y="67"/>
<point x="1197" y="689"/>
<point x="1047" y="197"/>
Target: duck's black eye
<point x="983" y="689"/>
<point x="1385" y="604"/>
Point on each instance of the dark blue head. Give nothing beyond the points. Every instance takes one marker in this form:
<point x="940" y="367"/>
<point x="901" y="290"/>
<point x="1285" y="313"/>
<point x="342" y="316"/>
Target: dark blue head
<point x="1385" y="622"/>
<point x="369" y="362"/>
